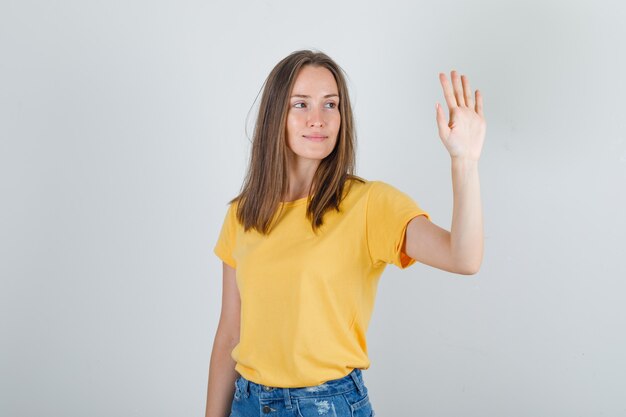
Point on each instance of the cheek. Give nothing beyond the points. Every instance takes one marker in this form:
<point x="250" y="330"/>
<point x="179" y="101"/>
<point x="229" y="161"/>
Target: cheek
<point x="292" y="124"/>
<point x="289" y="129"/>
<point x="337" y="123"/>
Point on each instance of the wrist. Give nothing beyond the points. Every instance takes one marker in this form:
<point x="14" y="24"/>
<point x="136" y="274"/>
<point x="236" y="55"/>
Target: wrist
<point x="464" y="162"/>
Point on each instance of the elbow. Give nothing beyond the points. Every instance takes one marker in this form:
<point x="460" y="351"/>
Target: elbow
<point x="468" y="271"/>
<point x="469" y="268"/>
<point x="466" y="260"/>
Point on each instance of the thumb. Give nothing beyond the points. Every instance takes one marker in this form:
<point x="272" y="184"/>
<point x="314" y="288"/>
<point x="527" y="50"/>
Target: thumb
<point x="444" y="129"/>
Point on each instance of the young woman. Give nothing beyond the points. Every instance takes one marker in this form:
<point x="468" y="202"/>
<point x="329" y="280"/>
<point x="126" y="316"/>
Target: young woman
<point x="305" y="242"/>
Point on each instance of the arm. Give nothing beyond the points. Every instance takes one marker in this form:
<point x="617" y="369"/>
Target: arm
<point x="461" y="249"/>
<point x="222" y="374"/>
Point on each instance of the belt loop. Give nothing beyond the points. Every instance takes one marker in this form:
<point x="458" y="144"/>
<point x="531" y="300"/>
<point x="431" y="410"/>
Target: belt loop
<point x="357" y="381"/>
<point x="245" y="388"/>
<point x="287" y="397"/>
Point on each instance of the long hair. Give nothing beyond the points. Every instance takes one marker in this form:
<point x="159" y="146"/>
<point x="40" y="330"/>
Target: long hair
<point x="267" y="179"/>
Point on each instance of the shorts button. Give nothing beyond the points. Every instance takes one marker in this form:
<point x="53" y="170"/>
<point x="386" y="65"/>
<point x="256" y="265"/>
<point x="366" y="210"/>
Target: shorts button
<point x="268" y="388"/>
<point x="266" y="409"/>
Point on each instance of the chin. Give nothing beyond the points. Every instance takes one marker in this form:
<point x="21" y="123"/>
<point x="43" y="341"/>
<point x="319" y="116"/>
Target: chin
<point x="314" y="155"/>
<point x="311" y="157"/>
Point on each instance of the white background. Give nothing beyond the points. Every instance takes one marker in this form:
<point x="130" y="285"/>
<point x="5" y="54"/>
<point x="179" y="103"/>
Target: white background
<point x="123" y="135"/>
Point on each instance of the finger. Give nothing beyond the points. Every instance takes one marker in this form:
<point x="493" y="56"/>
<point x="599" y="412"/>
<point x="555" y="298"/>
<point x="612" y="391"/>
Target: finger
<point x="442" y="126"/>
<point x="467" y="91"/>
<point x="447" y="91"/>
<point x="479" y="103"/>
<point x="458" y="88"/>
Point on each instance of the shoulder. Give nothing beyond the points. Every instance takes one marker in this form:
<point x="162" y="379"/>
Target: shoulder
<point x="387" y="197"/>
<point x="374" y="193"/>
<point x="356" y="189"/>
<point x="382" y="188"/>
<point x="376" y="188"/>
<point x="231" y="212"/>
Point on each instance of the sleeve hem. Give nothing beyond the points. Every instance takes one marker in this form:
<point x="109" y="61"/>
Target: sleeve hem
<point x="403" y="260"/>
<point x="225" y="257"/>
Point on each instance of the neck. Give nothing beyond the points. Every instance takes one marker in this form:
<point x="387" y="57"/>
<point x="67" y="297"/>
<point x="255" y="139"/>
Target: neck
<point x="301" y="172"/>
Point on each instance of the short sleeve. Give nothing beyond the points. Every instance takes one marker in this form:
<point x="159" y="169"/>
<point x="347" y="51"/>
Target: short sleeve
<point x="389" y="211"/>
<point x="226" y="240"/>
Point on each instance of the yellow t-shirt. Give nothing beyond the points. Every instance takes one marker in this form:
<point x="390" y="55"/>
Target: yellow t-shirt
<point x="306" y="299"/>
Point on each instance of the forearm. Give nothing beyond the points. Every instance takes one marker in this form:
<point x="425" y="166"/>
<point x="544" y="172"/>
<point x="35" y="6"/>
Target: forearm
<point x="222" y="376"/>
<point x="466" y="232"/>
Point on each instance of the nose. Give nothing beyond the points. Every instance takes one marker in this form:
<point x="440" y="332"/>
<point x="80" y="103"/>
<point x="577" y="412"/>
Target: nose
<point x="315" y="118"/>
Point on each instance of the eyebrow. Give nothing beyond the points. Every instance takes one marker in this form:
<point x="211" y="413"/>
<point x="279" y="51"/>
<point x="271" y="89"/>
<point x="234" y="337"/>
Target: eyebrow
<point x="305" y="96"/>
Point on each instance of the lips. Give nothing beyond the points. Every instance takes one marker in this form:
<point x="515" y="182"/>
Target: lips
<point x="315" y="137"/>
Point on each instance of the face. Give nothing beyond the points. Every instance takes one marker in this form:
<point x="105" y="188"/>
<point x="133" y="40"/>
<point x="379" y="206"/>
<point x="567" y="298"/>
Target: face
<point x="313" y="119"/>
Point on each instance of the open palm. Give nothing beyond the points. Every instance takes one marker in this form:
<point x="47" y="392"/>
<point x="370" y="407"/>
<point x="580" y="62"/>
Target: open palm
<point x="463" y="135"/>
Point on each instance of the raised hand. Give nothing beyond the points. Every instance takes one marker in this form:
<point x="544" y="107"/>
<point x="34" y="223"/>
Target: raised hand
<point x="464" y="134"/>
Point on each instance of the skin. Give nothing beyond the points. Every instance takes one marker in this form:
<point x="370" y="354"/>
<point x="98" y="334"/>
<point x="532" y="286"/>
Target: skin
<point x="222" y="373"/>
<point x="313" y="112"/>
<point x="459" y="250"/>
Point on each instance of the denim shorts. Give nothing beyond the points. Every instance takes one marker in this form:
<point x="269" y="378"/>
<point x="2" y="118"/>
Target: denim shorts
<point x="343" y="397"/>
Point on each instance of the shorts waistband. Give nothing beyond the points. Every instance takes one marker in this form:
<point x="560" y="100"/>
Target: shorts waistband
<point x="332" y="387"/>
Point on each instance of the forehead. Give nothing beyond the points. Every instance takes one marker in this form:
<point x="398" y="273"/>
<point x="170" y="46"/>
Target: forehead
<point x="312" y="79"/>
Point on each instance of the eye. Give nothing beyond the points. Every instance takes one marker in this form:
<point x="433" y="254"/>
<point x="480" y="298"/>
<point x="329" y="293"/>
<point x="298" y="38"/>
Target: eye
<point x="331" y="105"/>
<point x="299" y="105"/>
